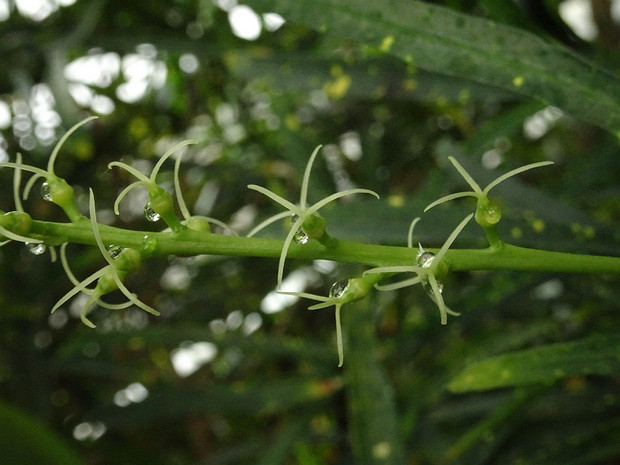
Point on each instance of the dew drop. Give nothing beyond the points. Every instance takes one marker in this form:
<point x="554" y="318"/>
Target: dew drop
<point x="36" y="248"/>
<point x="46" y="192"/>
<point x="429" y="290"/>
<point x="149" y="244"/>
<point x="424" y="258"/>
<point x="114" y="251"/>
<point x="339" y="288"/>
<point x="150" y="214"/>
<point x="300" y="236"/>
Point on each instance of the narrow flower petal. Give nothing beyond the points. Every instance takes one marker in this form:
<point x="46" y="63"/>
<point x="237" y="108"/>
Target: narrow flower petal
<point x="177" y="189"/>
<point x="450" y="240"/>
<point x="81" y="286"/>
<point x="285" y="246"/>
<point x="89" y="303"/>
<point x="339" y="336"/>
<point x="438" y="298"/>
<point x="63" y="139"/>
<point x="132" y="297"/>
<point x="95" y="226"/>
<point x="473" y="184"/>
<point x="268" y="221"/>
<point x="337" y="195"/>
<point x="399" y="284"/>
<point x="130" y="169"/>
<point x="276" y="198"/>
<point x="306" y="179"/>
<point x="410" y="232"/>
<point x="121" y="306"/>
<point x="123" y="193"/>
<point x="17" y="180"/>
<point x="449" y="197"/>
<point x="18" y="237"/>
<point x="167" y="155"/>
<point x="514" y="172"/>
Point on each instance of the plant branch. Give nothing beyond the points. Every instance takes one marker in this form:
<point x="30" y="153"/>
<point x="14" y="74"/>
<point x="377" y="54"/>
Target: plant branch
<point x="188" y="242"/>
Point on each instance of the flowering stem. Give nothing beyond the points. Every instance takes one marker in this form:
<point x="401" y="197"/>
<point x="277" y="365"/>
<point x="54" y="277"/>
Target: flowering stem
<point x="503" y="257"/>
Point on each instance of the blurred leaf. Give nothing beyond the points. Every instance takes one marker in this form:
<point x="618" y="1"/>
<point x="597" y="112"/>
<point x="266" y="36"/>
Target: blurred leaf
<point x="370" y="398"/>
<point x="243" y="398"/>
<point x="24" y="440"/>
<point x="595" y="355"/>
<point x="455" y="44"/>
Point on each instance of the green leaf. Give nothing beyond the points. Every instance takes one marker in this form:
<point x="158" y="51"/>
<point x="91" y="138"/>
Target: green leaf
<point x="596" y="355"/>
<point x="24" y="440"/>
<point x="445" y="41"/>
<point x="244" y="398"/>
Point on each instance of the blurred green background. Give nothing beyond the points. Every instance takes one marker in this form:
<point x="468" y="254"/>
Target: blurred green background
<point x="232" y="374"/>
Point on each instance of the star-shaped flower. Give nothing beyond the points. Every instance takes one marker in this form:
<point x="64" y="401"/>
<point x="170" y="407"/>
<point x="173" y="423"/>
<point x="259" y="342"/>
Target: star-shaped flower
<point x="487" y="212"/>
<point x="341" y="292"/>
<point x="306" y="223"/>
<point x="428" y="268"/>
<point x="120" y="263"/>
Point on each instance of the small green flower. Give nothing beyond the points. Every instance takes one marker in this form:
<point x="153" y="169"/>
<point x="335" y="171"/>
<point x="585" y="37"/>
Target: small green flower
<point x="487" y="213"/>
<point x="54" y="188"/>
<point x="109" y="278"/>
<point x="306" y="223"/>
<point x="16" y="225"/>
<point x="160" y="202"/>
<point x="341" y="292"/>
<point x="194" y="222"/>
<point x="428" y="268"/>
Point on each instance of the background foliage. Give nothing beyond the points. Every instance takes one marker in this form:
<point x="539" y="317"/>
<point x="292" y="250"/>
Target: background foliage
<point x="529" y="372"/>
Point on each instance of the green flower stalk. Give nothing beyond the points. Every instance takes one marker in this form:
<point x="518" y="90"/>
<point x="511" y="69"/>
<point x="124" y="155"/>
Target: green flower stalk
<point x="429" y="269"/>
<point x="306" y="223"/>
<point x="488" y="213"/>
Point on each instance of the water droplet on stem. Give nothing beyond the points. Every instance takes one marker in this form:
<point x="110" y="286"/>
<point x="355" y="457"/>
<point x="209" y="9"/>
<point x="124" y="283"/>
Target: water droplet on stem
<point x="149" y="244"/>
<point x="46" y="192"/>
<point x="300" y="236"/>
<point x="114" y="251"/>
<point x="424" y="258"/>
<point x="150" y="214"/>
<point x="339" y="288"/>
<point x="36" y="248"/>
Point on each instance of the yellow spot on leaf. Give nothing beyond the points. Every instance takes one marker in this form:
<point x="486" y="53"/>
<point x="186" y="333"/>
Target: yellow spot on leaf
<point x="292" y="122"/>
<point x="538" y="225"/>
<point x="337" y="88"/>
<point x="396" y="201"/>
<point x="518" y="81"/>
<point x="516" y="233"/>
<point x="410" y="85"/>
<point x="386" y="43"/>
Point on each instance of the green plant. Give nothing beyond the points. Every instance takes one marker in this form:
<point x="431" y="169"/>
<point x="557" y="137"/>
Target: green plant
<point x="124" y="252"/>
<point x="400" y="93"/>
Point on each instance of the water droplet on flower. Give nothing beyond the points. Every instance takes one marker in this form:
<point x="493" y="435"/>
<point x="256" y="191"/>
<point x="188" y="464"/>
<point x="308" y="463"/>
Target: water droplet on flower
<point x="36" y="248"/>
<point x="300" y="236"/>
<point x="149" y="244"/>
<point x="46" y="192"/>
<point x="429" y="290"/>
<point x="114" y="251"/>
<point x="150" y="214"/>
<point x="424" y="258"/>
<point x="339" y="288"/>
